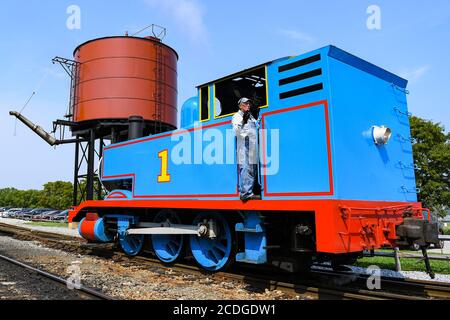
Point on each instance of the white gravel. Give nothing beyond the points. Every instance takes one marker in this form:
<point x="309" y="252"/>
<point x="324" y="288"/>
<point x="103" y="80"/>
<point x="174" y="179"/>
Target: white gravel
<point x="58" y="230"/>
<point x="417" y="275"/>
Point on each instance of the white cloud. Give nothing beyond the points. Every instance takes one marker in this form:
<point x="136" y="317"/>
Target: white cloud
<point x="188" y="14"/>
<point x="297" y="35"/>
<point x="414" y="75"/>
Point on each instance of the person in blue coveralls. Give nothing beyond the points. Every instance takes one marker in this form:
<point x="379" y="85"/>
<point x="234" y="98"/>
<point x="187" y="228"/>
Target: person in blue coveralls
<point x="246" y="128"/>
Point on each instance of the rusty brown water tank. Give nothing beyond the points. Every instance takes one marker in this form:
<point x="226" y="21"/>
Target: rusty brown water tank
<point x="119" y="77"/>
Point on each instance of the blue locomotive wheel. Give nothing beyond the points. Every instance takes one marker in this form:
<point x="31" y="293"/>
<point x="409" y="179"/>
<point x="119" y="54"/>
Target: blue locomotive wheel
<point x="167" y="247"/>
<point x="212" y="253"/>
<point x="132" y="244"/>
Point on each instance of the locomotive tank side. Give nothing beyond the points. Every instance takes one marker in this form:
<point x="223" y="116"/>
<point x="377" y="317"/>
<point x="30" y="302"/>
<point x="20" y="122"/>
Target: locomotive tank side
<point x="365" y="98"/>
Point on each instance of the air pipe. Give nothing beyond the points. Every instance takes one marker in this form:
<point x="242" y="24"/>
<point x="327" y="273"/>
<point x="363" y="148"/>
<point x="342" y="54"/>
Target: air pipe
<point x="41" y="132"/>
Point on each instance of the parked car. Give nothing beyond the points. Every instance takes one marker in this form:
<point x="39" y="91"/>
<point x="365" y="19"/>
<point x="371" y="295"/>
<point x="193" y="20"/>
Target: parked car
<point x="29" y="215"/>
<point x="15" y="214"/>
<point x="3" y="209"/>
<point x="45" y="216"/>
<point x="62" y="216"/>
<point x="11" y="212"/>
<point x="19" y="214"/>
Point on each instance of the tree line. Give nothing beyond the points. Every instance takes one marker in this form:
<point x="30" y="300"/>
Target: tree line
<point x="55" y="195"/>
<point x="431" y="150"/>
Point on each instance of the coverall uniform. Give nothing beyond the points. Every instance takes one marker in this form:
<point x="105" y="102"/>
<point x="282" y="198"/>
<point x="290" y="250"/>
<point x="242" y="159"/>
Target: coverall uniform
<point x="247" y="152"/>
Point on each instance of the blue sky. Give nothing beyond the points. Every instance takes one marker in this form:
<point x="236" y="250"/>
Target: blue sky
<point x="213" y="39"/>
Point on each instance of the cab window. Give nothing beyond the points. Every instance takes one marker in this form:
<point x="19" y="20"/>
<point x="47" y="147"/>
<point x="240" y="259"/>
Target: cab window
<point x="251" y="84"/>
<point x="204" y="104"/>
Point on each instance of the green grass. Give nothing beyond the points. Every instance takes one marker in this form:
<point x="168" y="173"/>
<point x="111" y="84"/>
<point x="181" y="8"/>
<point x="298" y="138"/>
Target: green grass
<point x="447" y="231"/>
<point x="409" y="264"/>
<point x="48" y="224"/>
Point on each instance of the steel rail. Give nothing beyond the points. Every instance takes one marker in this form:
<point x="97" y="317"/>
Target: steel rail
<point x="83" y="289"/>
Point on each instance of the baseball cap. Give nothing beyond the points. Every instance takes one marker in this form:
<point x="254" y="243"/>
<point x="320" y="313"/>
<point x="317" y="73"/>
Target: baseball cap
<point x="243" y="100"/>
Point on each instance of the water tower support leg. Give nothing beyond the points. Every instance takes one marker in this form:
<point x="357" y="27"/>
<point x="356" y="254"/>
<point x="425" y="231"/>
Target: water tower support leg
<point x="90" y="166"/>
<point x="75" y="174"/>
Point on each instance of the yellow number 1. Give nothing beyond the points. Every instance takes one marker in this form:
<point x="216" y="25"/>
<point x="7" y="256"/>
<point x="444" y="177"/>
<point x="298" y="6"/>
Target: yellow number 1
<point x="164" y="176"/>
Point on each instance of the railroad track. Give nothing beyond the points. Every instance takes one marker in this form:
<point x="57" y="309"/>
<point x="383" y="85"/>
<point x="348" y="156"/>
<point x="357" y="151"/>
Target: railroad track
<point x="412" y="287"/>
<point x="83" y="291"/>
<point x="320" y="284"/>
<point x="306" y="288"/>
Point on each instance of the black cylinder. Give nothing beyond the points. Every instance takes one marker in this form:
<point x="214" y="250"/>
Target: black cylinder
<point x="135" y="127"/>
